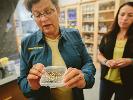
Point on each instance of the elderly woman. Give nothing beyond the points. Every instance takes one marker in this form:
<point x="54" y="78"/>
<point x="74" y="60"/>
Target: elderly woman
<point x="53" y="46"/>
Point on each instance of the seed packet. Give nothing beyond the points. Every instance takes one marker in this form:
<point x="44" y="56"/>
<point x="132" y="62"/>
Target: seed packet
<point x="53" y="76"/>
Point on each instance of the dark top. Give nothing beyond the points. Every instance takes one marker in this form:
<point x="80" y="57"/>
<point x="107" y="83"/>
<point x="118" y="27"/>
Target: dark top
<point x="34" y="49"/>
<point x="106" y="48"/>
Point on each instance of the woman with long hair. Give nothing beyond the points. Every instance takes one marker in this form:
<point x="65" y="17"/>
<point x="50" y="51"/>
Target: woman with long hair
<point x="116" y="57"/>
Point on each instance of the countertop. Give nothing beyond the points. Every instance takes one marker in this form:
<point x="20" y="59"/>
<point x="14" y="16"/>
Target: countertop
<point x="8" y="79"/>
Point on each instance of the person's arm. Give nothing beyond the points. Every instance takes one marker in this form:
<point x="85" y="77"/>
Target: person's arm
<point x="123" y="62"/>
<point x="24" y="71"/>
<point x="88" y="68"/>
<point x="22" y="79"/>
<point x="101" y="58"/>
<point x="83" y="77"/>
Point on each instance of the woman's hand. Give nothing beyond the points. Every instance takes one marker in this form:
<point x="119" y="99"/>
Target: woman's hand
<point x="74" y="78"/>
<point x="34" y="76"/>
<point x="119" y="63"/>
<point x="123" y="62"/>
<point x="111" y="63"/>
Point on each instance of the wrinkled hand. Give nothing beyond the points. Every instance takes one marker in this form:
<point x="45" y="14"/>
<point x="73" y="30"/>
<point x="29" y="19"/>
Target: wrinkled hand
<point x="111" y="63"/>
<point x="123" y="62"/>
<point x="34" y="76"/>
<point x="119" y="63"/>
<point x="74" y="78"/>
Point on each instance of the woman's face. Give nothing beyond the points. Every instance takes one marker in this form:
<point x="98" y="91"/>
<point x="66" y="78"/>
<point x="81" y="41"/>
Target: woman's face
<point x="125" y="17"/>
<point x="46" y="16"/>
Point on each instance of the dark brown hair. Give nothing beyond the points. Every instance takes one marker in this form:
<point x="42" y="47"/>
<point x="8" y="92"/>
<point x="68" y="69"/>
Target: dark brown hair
<point x="115" y="27"/>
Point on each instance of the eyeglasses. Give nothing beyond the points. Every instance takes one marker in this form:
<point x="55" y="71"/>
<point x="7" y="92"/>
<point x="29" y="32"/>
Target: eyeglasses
<point x="46" y="13"/>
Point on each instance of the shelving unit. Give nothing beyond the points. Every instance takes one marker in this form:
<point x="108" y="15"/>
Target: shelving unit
<point x="106" y="15"/>
<point x="69" y="16"/>
<point x="63" y="17"/>
<point x="87" y="25"/>
<point x="95" y="18"/>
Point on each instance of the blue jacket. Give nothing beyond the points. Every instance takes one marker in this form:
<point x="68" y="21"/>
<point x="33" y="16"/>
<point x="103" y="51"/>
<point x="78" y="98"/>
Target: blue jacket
<point x="34" y="49"/>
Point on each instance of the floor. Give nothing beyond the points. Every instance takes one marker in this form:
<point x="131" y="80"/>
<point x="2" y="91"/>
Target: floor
<point x="93" y="93"/>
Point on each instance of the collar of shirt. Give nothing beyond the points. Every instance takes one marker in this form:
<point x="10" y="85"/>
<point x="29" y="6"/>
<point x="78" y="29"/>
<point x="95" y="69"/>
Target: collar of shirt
<point x="40" y="35"/>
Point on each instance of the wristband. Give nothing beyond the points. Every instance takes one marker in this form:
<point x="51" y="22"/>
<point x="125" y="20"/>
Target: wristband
<point x="105" y="61"/>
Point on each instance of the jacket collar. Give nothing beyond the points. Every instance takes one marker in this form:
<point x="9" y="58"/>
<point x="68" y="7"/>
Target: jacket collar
<point x="40" y="34"/>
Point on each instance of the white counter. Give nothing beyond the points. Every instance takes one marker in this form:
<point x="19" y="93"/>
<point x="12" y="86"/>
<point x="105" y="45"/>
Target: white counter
<point x="8" y="79"/>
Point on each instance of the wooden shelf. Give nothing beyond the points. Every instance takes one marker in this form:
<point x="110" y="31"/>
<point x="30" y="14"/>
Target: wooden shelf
<point x="94" y="17"/>
<point x="62" y="23"/>
<point x="86" y="1"/>
<point x="88" y="32"/>
<point x="106" y="11"/>
<point x="71" y="20"/>
<point x="101" y="33"/>
<point x="106" y="20"/>
<point x="88" y="21"/>
<point x="88" y="13"/>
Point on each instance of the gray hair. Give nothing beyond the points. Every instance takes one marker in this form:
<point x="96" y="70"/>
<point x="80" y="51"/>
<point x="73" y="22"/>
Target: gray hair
<point x="28" y="3"/>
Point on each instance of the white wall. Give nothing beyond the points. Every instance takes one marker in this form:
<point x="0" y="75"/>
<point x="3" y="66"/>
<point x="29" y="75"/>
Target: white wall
<point x="64" y="2"/>
<point x="22" y="12"/>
